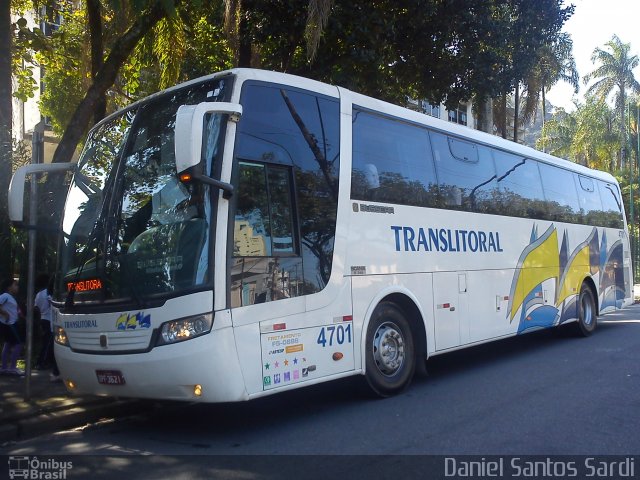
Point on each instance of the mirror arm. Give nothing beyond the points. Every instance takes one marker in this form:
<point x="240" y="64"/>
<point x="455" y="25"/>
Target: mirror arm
<point x="227" y="188"/>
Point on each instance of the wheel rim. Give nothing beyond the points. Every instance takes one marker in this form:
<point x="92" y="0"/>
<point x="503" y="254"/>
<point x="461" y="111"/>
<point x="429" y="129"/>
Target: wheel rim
<point x="587" y="311"/>
<point x="388" y="348"/>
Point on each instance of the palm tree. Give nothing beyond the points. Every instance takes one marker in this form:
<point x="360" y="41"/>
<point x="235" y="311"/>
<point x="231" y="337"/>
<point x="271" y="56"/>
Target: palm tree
<point x="615" y="74"/>
<point x="555" y="63"/>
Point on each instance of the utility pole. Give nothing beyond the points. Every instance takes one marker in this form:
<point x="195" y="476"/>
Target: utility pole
<point x="37" y="156"/>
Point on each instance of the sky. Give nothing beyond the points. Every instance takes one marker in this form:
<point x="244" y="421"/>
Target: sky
<point x="593" y="24"/>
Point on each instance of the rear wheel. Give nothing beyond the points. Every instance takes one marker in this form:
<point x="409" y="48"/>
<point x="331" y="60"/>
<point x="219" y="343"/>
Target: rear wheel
<point x="587" y="318"/>
<point x="390" y="351"/>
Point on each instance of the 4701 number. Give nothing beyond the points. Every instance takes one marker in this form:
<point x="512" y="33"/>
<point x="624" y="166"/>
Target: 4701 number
<point x="334" y="334"/>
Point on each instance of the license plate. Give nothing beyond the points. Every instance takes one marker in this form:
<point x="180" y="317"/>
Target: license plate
<point x="110" y="377"/>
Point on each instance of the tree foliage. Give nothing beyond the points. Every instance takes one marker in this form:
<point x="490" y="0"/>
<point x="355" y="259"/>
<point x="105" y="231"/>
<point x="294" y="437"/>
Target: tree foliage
<point x="614" y="75"/>
<point x="109" y="53"/>
<point x="586" y="136"/>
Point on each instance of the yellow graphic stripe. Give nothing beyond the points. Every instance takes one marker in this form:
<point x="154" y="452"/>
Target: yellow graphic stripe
<point x="576" y="270"/>
<point x="535" y="269"/>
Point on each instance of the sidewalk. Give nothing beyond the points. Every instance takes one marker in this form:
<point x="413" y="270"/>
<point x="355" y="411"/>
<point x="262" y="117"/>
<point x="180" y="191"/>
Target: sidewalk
<point x="51" y="407"/>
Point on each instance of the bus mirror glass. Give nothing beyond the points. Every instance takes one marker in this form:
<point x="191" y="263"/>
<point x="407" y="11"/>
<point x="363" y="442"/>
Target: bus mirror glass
<point x="189" y="130"/>
<point x="16" y="193"/>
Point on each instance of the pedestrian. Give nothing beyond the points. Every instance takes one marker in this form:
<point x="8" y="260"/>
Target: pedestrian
<point x="9" y="328"/>
<point x="42" y="310"/>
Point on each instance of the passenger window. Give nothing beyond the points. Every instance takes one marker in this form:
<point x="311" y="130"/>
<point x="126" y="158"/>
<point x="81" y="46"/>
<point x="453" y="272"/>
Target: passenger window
<point x="560" y="191"/>
<point x="520" y="186"/>
<point x="611" y="205"/>
<point x="466" y="174"/>
<point x="391" y="162"/>
<point x="590" y="203"/>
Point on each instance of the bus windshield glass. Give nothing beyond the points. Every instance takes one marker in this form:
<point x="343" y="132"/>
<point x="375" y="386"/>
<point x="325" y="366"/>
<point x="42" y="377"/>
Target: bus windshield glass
<point x="131" y="229"/>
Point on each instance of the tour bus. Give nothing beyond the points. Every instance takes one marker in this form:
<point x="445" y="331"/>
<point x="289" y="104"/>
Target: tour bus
<point x="251" y="232"/>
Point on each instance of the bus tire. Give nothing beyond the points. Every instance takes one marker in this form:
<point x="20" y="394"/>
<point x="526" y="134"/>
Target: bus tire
<point x="587" y="318"/>
<point x="390" y="351"/>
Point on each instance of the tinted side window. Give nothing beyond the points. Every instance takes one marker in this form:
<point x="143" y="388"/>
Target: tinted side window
<point x="589" y="198"/>
<point x="611" y="205"/>
<point x="466" y="174"/>
<point x="391" y="162"/>
<point x="286" y="174"/>
<point x="520" y="186"/>
<point x="560" y="192"/>
<point x="263" y="222"/>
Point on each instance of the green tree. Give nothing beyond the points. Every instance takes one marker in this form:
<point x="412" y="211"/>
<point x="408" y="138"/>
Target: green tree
<point x="148" y="14"/>
<point x="614" y="74"/>
<point x="557" y="134"/>
<point x="586" y="136"/>
<point x="5" y="135"/>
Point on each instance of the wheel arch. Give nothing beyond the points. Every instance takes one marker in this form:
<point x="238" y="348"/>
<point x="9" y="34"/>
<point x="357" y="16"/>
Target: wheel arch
<point x="592" y="286"/>
<point x="410" y="307"/>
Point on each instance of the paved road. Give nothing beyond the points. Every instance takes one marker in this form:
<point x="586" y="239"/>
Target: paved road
<point x="541" y="394"/>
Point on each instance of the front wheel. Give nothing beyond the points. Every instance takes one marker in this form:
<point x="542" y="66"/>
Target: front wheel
<point x="587" y="318"/>
<point x="390" y="352"/>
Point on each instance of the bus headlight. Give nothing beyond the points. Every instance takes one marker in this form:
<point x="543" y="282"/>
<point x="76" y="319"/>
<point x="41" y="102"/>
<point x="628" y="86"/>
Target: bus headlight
<point x="185" y="329"/>
<point x="60" y="336"/>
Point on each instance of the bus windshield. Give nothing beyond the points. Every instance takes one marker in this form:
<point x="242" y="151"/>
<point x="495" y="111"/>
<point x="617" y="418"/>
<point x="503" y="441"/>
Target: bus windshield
<point x="131" y="229"/>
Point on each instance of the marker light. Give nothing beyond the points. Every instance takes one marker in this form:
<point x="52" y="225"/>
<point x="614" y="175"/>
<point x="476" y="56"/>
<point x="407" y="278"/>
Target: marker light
<point x="70" y="385"/>
<point x="197" y="390"/>
<point x="60" y="336"/>
<point x="185" y="329"/>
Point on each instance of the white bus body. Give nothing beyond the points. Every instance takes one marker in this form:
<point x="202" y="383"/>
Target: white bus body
<point x="404" y="266"/>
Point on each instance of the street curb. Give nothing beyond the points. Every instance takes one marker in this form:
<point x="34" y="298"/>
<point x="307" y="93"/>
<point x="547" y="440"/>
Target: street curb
<point x="66" y="418"/>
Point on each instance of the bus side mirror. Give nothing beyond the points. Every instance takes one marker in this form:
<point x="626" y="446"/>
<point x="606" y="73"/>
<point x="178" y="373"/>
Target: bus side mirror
<point x="189" y="130"/>
<point x="16" y="187"/>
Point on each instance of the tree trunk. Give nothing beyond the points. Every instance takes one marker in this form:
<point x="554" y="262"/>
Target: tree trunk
<point x="5" y="136"/>
<point x="516" y="113"/>
<point x="544" y="115"/>
<point x="244" y="40"/>
<point x="503" y="119"/>
<point x="94" y="15"/>
<point x="623" y="128"/>
<point x="105" y="78"/>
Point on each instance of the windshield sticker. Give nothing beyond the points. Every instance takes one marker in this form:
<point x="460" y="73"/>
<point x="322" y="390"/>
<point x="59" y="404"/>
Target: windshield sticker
<point x="133" y="321"/>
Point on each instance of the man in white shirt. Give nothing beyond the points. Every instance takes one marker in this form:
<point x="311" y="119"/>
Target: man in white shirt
<point x="43" y="305"/>
<point x="9" y="328"/>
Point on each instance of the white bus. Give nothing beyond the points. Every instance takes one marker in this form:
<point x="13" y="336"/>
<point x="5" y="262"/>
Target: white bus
<point x="252" y="232"/>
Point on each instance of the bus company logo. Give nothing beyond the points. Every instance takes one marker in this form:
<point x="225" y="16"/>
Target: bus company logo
<point x="37" y="469"/>
<point x="133" y="321"/>
<point x="410" y="239"/>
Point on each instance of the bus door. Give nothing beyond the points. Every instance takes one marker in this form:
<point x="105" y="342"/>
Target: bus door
<point x="451" y="307"/>
<point x="290" y="325"/>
